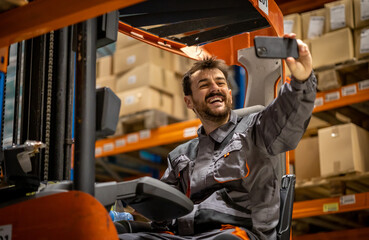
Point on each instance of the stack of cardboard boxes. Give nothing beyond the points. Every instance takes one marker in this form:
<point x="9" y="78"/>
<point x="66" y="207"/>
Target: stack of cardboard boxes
<point x="335" y="34"/>
<point x="144" y="78"/>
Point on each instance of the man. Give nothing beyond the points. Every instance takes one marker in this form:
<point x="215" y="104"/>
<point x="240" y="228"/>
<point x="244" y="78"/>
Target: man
<point x="230" y="171"/>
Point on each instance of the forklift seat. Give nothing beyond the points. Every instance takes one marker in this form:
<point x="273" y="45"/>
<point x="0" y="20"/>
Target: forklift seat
<point x="286" y="200"/>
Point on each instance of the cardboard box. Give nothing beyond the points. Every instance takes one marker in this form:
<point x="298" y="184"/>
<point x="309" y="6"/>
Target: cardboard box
<point x="292" y="24"/>
<point x="361" y="38"/>
<point x="313" y="23"/>
<point x="148" y="74"/>
<point x="332" y="48"/>
<point x="180" y="109"/>
<point x="124" y="41"/>
<point x="307" y="164"/>
<point x="180" y="64"/>
<point x="108" y="81"/>
<point x="104" y="66"/>
<point x="343" y="149"/>
<point x="361" y="13"/>
<point x="145" y="98"/>
<point x="339" y="15"/>
<point x="328" y="80"/>
<point x="138" y="54"/>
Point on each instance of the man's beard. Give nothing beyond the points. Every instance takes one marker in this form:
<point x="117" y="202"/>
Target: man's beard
<point x="207" y="113"/>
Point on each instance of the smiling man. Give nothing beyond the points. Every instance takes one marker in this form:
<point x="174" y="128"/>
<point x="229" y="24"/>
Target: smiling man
<point x="230" y="171"/>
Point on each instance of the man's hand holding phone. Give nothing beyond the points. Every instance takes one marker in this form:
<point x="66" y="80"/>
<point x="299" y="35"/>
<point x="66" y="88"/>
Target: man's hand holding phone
<point x="294" y="51"/>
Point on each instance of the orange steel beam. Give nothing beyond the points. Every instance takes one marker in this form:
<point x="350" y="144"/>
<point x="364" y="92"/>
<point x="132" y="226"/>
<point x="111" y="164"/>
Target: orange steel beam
<point x="225" y="49"/>
<point x="147" y="138"/>
<point x="162" y="43"/>
<point x="352" y="234"/>
<point x="339" y="98"/>
<point x="327" y="206"/>
<point x="42" y="16"/>
<point x="4" y="53"/>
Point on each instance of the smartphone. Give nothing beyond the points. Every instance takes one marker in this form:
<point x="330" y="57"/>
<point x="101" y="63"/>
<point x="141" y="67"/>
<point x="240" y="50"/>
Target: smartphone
<point x="275" y="47"/>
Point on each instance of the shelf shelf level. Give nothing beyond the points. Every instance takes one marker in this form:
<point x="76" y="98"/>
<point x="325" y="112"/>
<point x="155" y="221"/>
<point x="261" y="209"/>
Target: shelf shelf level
<point x="173" y="133"/>
<point x="346" y="95"/>
<point x="347" y="203"/>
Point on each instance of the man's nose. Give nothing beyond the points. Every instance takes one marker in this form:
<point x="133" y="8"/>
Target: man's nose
<point x="214" y="86"/>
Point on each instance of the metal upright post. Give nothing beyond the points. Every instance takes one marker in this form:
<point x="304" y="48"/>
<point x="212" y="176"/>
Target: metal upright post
<point x="85" y="121"/>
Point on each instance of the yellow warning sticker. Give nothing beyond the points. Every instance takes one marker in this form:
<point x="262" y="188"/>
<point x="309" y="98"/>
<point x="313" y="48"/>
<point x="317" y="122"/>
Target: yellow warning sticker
<point x="330" y="207"/>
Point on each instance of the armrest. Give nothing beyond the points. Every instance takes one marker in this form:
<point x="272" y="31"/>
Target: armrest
<point x="286" y="207"/>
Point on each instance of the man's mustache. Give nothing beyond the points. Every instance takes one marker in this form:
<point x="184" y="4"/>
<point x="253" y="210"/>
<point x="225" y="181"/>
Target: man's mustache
<point x="214" y="94"/>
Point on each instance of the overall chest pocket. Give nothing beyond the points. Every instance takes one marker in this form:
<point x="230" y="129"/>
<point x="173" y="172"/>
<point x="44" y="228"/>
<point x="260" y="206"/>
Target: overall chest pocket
<point x="231" y="164"/>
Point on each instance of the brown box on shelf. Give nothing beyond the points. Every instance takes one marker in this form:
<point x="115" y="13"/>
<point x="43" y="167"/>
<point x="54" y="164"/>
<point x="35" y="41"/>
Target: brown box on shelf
<point x="343" y="149"/>
<point x="313" y="23"/>
<point x="145" y="98"/>
<point x="292" y="24"/>
<point x="307" y="164"/>
<point x="332" y="48"/>
<point x="108" y="81"/>
<point x="339" y="15"/>
<point x="180" y="109"/>
<point x="124" y="41"/>
<point x="104" y="66"/>
<point x="361" y="13"/>
<point x="361" y="38"/>
<point x="148" y="74"/>
<point x="328" y="80"/>
<point x="180" y="64"/>
<point x="138" y="54"/>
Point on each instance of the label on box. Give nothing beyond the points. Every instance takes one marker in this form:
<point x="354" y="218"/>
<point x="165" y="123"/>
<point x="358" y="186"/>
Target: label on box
<point x="132" y="79"/>
<point x="108" y="147"/>
<point x="132" y="138"/>
<point x="338" y="17"/>
<point x="318" y="102"/>
<point x="98" y="151"/>
<point x="347" y="200"/>
<point x="145" y="134"/>
<point x="364" y="85"/>
<point x="131" y="59"/>
<point x="316" y="26"/>
<point x="364" y="41"/>
<point x="6" y="232"/>
<point x="364" y="10"/>
<point x="120" y="142"/>
<point x="288" y="25"/>
<point x="349" y="90"/>
<point x="129" y="100"/>
<point x="330" y="207"/>
<point x="264" y="6"/>
<point x="332" y="96"/>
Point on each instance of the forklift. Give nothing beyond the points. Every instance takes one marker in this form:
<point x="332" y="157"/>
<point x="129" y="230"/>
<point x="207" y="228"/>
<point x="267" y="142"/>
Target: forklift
<point x="58" y="112"/>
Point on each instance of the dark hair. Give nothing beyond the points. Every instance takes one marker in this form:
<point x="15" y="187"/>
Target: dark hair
<point x="206" y="63"/>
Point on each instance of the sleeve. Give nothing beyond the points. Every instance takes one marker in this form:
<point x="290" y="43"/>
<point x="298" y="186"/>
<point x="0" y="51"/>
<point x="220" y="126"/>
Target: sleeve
<point x="281" y="125"/>
<point x="169" y="176"/>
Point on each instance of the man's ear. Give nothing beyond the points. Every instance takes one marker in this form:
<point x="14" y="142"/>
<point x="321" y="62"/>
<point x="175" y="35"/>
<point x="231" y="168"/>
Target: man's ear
<point x="188" y="101"/>
<point x="230" y="93"/>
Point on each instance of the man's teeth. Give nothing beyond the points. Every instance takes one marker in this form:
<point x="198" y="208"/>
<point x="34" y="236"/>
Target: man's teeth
<point x="215" y="100"/>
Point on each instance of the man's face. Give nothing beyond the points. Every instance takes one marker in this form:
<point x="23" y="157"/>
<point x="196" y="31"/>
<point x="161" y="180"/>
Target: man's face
<point x="211" y="98"/>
